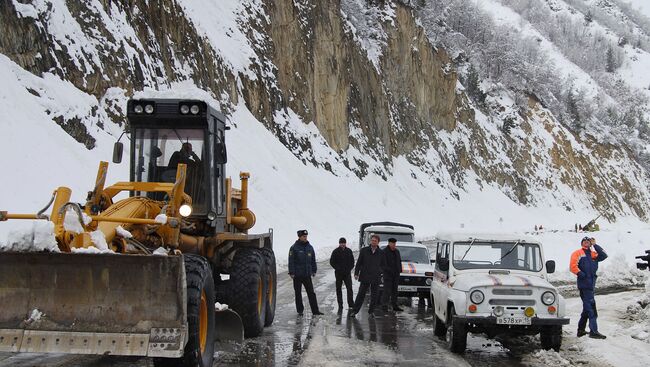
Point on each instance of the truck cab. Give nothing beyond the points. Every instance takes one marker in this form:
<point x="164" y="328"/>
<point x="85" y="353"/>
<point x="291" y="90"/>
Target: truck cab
<point x="494" y="284"/>
<point x="401" y="232"/>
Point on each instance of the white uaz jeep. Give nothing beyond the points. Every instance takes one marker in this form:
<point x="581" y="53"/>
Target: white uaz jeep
<point x="494" y="284"/>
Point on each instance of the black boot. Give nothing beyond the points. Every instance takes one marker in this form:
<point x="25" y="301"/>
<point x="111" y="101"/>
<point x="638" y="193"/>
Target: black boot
<point x="596" y="335"/>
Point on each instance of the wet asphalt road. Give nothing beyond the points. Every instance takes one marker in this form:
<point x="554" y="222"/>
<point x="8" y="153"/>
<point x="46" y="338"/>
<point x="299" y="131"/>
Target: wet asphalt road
<point x="404" y="339"/>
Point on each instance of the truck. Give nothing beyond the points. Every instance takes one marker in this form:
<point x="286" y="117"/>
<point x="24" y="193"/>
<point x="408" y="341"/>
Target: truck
<point x="174" y="248"/>
<point x="417" y="272"/>
<point x="496" y="284"/>
<point x="401" y="232"/>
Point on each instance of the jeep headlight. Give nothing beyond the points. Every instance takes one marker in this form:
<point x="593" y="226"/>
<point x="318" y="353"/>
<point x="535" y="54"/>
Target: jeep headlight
<point x="477" y="297"/>
<point x="548" y="298"/>
<point x="428" y="281"/>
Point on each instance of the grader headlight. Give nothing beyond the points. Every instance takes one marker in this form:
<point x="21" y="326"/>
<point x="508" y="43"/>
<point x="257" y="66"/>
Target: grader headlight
<point x="185" y="210"/>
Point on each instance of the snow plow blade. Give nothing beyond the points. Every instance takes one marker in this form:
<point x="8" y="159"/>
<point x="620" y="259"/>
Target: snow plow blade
<point x="228" y="326"/>
<point x="93" y="304"/>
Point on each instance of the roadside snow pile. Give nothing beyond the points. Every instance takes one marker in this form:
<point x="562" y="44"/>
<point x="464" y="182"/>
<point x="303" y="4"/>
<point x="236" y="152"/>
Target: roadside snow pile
<point x="613" y="274"/>
<point x="639" y="313"/>
<point x="545" y="358"/>
<point x="40" y="237"/>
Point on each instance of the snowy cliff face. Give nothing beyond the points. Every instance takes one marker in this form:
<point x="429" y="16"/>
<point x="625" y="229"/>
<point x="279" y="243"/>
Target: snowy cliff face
<point x="355" y="93"/>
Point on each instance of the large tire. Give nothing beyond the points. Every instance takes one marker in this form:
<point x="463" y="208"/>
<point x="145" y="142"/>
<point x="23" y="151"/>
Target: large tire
<point x="439" y="328"/>
<point x="247" y="289"/>
<point x="456" y="336"/>
<point x="199" y="350"/>
<point x="551" y="337"/>
<point x="272" y="285"/>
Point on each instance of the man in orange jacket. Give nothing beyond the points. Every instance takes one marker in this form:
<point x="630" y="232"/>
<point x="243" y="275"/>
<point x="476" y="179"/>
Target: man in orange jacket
<point x="584" y="264"/>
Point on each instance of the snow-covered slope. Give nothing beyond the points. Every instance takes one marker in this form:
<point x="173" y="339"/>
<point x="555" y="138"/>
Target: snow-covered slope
<point x="78" y="64"/>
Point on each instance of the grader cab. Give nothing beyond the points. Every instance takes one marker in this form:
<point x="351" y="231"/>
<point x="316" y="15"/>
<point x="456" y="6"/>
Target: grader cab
<point x="141" y="275"/>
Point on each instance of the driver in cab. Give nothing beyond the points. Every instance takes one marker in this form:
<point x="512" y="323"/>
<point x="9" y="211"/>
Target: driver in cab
<point x="185" y="155"/>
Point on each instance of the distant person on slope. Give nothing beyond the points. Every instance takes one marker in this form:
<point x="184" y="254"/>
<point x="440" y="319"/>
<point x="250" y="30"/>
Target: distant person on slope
<point x="584" y="264"/>
<point x="368" y="272"/>
<point x="342" y="260"/>
<point x="302" y="267"/>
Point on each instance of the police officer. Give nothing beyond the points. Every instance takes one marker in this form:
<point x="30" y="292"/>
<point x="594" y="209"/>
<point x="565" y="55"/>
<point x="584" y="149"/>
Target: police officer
<point x="368" y="272"/>
<point x="392" y="269"/>
<point x="302" y="267"/>
<point x="342" y="260"/>
<point x="584" y="264"/>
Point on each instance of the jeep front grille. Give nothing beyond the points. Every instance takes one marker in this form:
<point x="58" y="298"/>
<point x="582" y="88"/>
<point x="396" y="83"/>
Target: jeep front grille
<point x="512" y="292"/>
<point x="417" y="281"/>
<point x="512" y="302"/>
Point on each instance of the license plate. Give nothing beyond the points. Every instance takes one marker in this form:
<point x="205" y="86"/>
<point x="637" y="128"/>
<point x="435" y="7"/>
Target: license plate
<point x="513" y="320"/>
<point x="406" y="288"/>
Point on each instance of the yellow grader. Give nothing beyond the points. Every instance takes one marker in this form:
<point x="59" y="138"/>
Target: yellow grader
<point x="128" y="300"/>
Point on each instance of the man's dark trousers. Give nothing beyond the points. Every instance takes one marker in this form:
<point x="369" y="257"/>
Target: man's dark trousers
<point x="390" y="291"/>
<point x="298" y="282"/>
<point x="347" y="279"/>
<point x="588" y="311"/>
<point x="361" y="296"/>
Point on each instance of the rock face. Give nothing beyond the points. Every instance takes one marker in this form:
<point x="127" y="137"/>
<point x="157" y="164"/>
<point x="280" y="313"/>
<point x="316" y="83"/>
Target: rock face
<point x="380" y="90"/>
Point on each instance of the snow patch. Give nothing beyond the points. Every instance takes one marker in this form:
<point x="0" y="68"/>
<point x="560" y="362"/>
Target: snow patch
<point x="161" y="218"/>
<point x="71" y="222"/>
<point x="160" y="251"/>
<point x="98" y="238"/>
<point x="34" y="316"/>
<point x="220" y="306"/>
<point x="40" y="237"/>
<point x="121" y="232"/>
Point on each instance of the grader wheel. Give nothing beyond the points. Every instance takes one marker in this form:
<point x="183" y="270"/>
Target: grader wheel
<point x="247" y="290"/>
<point x="272" y="276"/>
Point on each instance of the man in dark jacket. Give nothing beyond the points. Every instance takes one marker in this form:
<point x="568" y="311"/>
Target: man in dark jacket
<point x="584" y="264"/>
<point x="368" y="272"/>
<point x="302" y="266"/>
<point x="392" y="269"/>
<point x="342" y="261"/>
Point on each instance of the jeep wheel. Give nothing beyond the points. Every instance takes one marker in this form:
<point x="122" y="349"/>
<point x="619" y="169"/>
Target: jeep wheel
<point x="456" y="336"/>
<point x="551" y="337"/>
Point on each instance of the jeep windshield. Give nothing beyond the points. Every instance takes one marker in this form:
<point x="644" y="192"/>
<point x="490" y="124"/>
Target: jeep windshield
<point x="497" y="255"/>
